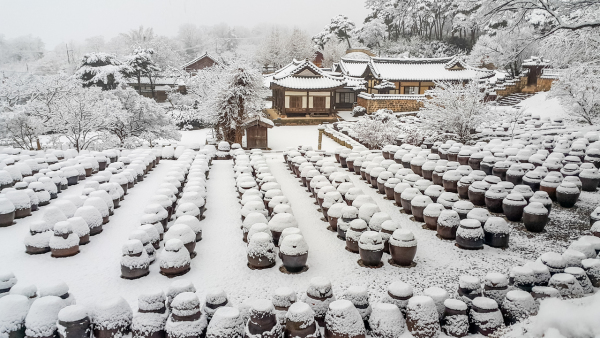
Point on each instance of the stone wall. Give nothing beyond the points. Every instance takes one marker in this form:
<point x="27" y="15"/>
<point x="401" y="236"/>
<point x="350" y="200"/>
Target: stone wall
<point x="544" y="84"/>
<point x="395" y="105"/>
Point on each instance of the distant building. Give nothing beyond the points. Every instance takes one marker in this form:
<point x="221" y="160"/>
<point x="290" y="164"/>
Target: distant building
<point x="302" y="88"/>
<point x="400" y="84"/>
<point x="203" y="61"/>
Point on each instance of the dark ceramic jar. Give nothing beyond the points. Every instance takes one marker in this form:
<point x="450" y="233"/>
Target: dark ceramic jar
<point x="403" y="247"/>
<point x="431" y="214"/>
<point x="470" y="235"/>
<point x="496" y="232"/>
<point x="494" y="197"/>
<point x="567" y="194"/>
<point x="513" y="205"/>
<point x="535" y="217"/>
<point x="476" y="192"/>
<point x="448" y="223"/>
<point x="370" y="248"/>
<point x="463" y="186"/>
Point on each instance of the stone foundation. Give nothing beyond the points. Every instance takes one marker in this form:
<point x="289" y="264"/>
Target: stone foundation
<point x="373" y="105"/>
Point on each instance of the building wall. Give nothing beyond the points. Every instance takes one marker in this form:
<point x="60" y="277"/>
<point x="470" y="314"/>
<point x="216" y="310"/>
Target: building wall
<point x="395" y="105"/>
<point x="544" y="84"/>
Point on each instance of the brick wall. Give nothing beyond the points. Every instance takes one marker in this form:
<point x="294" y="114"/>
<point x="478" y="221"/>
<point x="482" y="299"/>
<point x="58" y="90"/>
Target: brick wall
<point x="395" y="105"/>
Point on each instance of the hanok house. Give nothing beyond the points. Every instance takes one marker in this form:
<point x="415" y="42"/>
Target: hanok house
<point x="400" y="84"/>
<point x="301" y="88"/>
<point x="256" y="129"/>
<point x="353" y="70"/>
<point x="203" y="61"/>
<point x="161" y="85"/>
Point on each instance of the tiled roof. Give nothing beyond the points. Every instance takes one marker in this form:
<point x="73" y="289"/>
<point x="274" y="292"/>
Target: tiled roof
<point x="429" y="69"/>
<point x="294" y="76"/>
<point x="354" y="67"/>
<point x="199" y="58"/>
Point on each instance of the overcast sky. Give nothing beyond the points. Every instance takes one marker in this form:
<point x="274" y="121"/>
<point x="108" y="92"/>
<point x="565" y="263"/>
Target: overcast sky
<point x="57" y="21"/>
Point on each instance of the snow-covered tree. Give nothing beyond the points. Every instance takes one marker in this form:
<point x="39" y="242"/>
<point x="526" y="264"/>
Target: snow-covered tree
<point x="82" y="116"/>
<point x="298" y="46"/>
<point x="455" y="108"/>
<point x="140" y="65"/>
<point x="332" y="52"/>
<point x="504" y="50"/>
<point x="272" y="51"/>
<point x="373" y="33"/>
<point x="192" y="38"/>
<point x="376" y="132"/>
<point x="103" y="70"/>
<point x="139" y="116"/>
<point x="578" y="90"/>
<point x="340" y="27"/>
<point x="239" y="95"/>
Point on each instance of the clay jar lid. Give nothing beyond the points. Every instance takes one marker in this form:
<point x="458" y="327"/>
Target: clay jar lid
<point x="496" y="225"/>
<point x="300" y="312"/>
<point x="567" y="188"/>
<point x="319" y="287"/>
<point x="479" y="186"/>
<point x="466" y="180"/>
<point x="455" y="304"/>
<point x="535" y="208"/>
<point x="514" y="199"/>
<point x="469" y="282"/>
<point x="484" y="304"/>
<point x="370" y="240"/>
<point x="496" y="280"/>
<point x="553" y="260"/>
<point x="433" y="210"/>
<point x="409" y="193"/>
<point x="496" y="191"/>
<point x="470" y="224"/>
<point x="434" y="190"/>
<point x="400" y="290"/>
<point x="403" y="238"/>
<point x="480" y="214"/>
<point x="421" y="201"/>
<point x="358" y="225"/>
<point x="463" y="206"/>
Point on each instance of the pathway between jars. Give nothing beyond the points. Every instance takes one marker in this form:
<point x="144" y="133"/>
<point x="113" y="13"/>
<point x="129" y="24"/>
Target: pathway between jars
<point x="439" y="263"/>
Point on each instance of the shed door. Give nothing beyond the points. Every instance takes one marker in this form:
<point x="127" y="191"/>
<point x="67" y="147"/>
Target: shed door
<point x="257" y="137"/>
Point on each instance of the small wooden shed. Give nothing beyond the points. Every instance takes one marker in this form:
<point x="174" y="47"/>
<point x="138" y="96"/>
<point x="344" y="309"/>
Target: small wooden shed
<point x="256" y="132"/>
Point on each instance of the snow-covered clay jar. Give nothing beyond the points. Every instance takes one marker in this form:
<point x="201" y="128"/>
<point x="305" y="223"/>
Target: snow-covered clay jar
<point x="135" y="262"/>
<point x="13" y="310"/>
<point x="318" y="296"/>
<point x="7" y="212"/>
<point x="581" y="277"/>
<point x="184" y="233"/>
<point x="227" y="322"/>
<point x="386" y="321"/>
<point x="21" y="201"/>
<point x="447" y="224"/>
<point x="357" y="227"/>
<point x="485" y="316"/>
<point x="567" y="194"/>
<point x="496" y="232"/>
<point x="74" y="322"/>
<point x="403" y="247"/>
<point x="280" y="222"/>
<point x="112" y="318"/>
<point x="64" y="243"/>
<point x="406" y="197"/>
<point x="535" y="217"/>
<point x="567" y="285"/>
<point x="418" y="205"/>
<point x="263" y="321"/>
<point x="7" y="281"/>
<point x="260" y="251"/>
<point x="494" y="197"/>
<point x="370" y="248"/>
<point x="470" y="235"/>
<point x="92" y="217"/>
<point x="513" y="205"/>
<point x="422" y="319"/>
<point x="193" y="223"/>
<point x="456" y="321"/>
<point x="42" y="316"/>
<point x="476" y="192"/>
<point x="150" y="319"/>
<point x="294" y="252"/>
<point x="186" y="320"/>
<point x="469" y="288"/>
<point x="517" y="306"/>
<point x="174" y="259"/>
<point x="300" y="322"/>
<point x="590" y="178"/>
<point x="495" y="286"/>
<point x="343" y="321"/>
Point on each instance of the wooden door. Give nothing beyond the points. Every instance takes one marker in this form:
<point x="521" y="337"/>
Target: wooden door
<point x="256" y="137"/>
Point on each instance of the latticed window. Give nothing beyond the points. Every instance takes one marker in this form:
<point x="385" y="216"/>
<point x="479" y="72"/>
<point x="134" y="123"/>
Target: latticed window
<point x="295" y="101"/>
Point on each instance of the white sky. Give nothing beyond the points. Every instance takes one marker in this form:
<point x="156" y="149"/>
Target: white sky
<point x="57" y="21"/>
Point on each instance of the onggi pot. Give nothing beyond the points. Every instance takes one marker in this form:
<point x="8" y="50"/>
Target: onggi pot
<point x="535" y="217"/>
<point x="469" y="235"/>
<point x="403" y="247"/>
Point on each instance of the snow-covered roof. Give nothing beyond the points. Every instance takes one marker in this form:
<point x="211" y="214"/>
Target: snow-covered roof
<point x="305" y="75"/>
<point x="353" y="67"/>
<point x="355" y="82"/>
<point x="425" y="69"/>
<point x="413" y="69"/>
<point x="156" y="81"/>
<point x="535" y="61"/>
<point x="205" y="55"/>
<point x="256" y="119"/>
